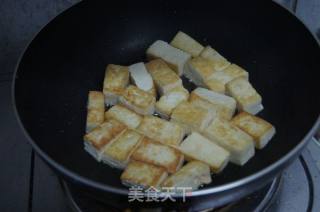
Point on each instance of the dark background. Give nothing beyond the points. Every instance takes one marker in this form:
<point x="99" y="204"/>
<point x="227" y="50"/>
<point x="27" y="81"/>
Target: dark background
<point x="26" y="184"/>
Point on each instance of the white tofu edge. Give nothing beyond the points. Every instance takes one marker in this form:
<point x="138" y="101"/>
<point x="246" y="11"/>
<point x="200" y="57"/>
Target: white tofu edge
<point x="264" y="140"/>
<point x="240" y="158"/>
<point x="114" y="163"/>
<point x="96" y="154"/>
<point x="193" y="75"/>
<point x="253" y="109"/>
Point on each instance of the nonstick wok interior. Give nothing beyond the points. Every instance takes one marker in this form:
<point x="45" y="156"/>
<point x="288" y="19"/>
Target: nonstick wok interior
<point x="69" y="56"/>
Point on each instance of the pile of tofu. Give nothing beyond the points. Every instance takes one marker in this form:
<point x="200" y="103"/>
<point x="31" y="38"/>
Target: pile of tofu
<point x="161" y="134"/>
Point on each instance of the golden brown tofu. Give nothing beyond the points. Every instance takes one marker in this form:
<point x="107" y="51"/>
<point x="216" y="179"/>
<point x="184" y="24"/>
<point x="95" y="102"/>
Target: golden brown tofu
<point x="260" y="130"/>
<point x="247" y="97"/>
<point x="234" y="71"/>
<point x="150" y="151"/>
<point x="193" y="174"/>
<point x="166" y="104"/>
<point x="198" y="69"/>
<point x="118" y="153"/>
<point x="124" y="115"/>
<point x="191" y="118"/>
<point x="197" y="147"/>
<point x="101" y="136"/>
<point x="143" y="174"/>
<point x="186" y="43"/>
<point x="219" y="79"/>
<point x="219" y="62"/>
<point x="215" y="85"/>
<point x="161" y="130"/>
<point x="163" y="76"/>
<point x="115" y="81"/>
<point x="138" y="100"/>
<point x="238" y="143"/>
<point x="95" y="115"/>
<point x="223" y="106"/>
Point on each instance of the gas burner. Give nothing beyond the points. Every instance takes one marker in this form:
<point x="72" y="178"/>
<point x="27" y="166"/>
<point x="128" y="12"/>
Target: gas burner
<point x="258" y="201"/>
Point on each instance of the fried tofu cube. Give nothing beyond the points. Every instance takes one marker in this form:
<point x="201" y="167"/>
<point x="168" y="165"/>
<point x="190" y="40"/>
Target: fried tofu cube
<point x="99" y="138"/>
<point x="219" y="62"/>
<point x="215" y="85"/>
<point x="141" y="78"/>
<point x="150" y="151"/>
<point x="95" y="107"/>
<point x="219" y="79"/>
<point x="197" y="147"/>
<point x="198" y="69"/>
<point x="234" y="71"/>
<point x="143" y="174"/>
<point x="124" y="115"/>
<point x="166" y="104"/>
<point x="247" y="97"/>
<point x="224" y="106"/>
<point x="164" y="77"/>
<point x="161" y="130"/>
<point x="260" y="130"/>
<point x="191" y="117"/>
<point x="138" y="100"/>
<point x="118" y="153"/>
<point x="115" y="81"/>
<point x="237" y="142"/>
<point x="186" y="43"/>
<point x="193" y="174"/>
<point x="174" y="57"/>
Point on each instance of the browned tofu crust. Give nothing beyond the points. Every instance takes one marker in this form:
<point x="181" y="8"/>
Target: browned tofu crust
<point x="95" y="114"/>
<point x="138" y="97"/>
<point x="150" y="151"/>
<point x="144" y="174"/>
<point x="116" y="79"/>
<point x="253" y="125"/>
<point x="103" y="134"/>
<point x="122" y="148"/>
<point x="161" y="73"/>
<point x="161" y="130"/>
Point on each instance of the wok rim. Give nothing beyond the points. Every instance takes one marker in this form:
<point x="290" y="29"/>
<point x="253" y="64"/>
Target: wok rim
<point x="282" y="162"/>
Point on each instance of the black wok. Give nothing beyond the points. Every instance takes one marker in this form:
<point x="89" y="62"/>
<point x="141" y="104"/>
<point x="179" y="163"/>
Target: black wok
<point x="68" y="58"/>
